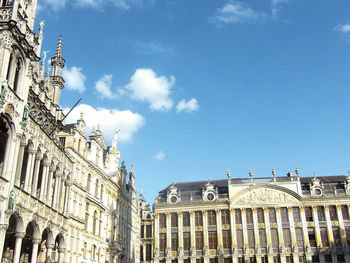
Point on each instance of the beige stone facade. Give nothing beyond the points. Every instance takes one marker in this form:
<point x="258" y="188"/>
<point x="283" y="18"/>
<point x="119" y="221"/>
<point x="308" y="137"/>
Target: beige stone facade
<point x="278" y="219"/>
<point x="63" y="197"/>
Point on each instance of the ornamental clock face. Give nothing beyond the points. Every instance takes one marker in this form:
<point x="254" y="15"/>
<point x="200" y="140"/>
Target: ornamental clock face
<point x="210" y="196"/>
<point x="173" y="199"/>
<point x="318" y="191"/>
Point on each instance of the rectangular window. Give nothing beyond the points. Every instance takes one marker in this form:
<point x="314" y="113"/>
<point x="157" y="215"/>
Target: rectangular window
<point x="336" y="236"/>
<point x="276" y="259"/>
<point x="251" y="239"/>
<point x="148" y="252"/>
<point x="252" y="259"/>
<point x="302" y="259"/>
<point x="347" y="234"/>
<point x="228" y="260"/>
<point x="289" y="259"/>
<point x="187" y="260"/>
<point x="211" y="218"/>
<point x="340" y="258"/>
<point x="260" y="213"/>
<point x="345" y="212"/>
<point x="249" y="216"/>
<point x="308" y="214"/>
<point x="262" y="238"/>
<point x="315" y="258"/>
<point x="320" y="214"/>
<point x="173" y="219"/>
<point x="226" y="238"/>
<point x="240" y="259"/>
<point x="239" y="236"/>
<point x="324" y="237"/>
<point x="187" y="240"/>
<point x="296" y="214"/>
<point x="186" y="218"/>
<point x="299" y="236"/>
<point x="149" y="231"/>
<point x="199" y="260"/>
<point x="199" y="240"/>
<point x="333" y="213"/>
<point x="286" y="237"/>
<point x="225" y="217"/>
<point x="213" y="243"/>
<point x="264" y="259"/>
<point x="213" y="260"/>
<point x="272" y="215"/>
<point x="312" y="237"/>
<point x="328" y="258"/>
<point x="162" y="220"/>
<point x="142" y="231"/>
<point x="162" y="242"/>
<point x="238" y="216"/>
<point x="274" y="238"/>
<point x="174" y="242"/>
<point x="198" y="218"/>
<point x="284" y="214"/>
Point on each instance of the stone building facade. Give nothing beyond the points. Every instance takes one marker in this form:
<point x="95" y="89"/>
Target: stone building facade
<point x="276" y="219"/>
<point x="62" y="197"/>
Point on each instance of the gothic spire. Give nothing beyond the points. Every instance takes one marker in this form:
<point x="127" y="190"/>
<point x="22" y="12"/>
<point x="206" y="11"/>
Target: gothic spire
<point x="59" y="48"/>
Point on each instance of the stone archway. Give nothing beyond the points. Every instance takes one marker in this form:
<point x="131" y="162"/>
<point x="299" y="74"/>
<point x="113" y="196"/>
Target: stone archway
<point x="59" y="249"/>
<point x="46" y="246"/>
<point x="30" y="243"/>
<point x="13" y="238"/>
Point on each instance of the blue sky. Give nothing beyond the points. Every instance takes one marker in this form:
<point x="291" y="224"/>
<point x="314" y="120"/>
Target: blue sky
<point x="199" y="87"/>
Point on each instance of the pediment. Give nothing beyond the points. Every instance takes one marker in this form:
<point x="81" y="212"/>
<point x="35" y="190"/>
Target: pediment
<point x="265" y="196"/>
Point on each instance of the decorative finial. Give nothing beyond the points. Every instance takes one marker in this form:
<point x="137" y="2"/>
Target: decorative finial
<point x="315" y="175"/>
<point x="228" y="173"/>
<point x="250" y="172"/>
<point x="81" y="115"/>
<point x="132" y="168"/>
<point x="349" y="173"/>
<point x="141" y="190"/>
<point x="173" y="183"/>
<point x="297" y="171"/>
<point x="59" y="49"/>
<point x="98" y="127"/>
<point x="41" y="25"/>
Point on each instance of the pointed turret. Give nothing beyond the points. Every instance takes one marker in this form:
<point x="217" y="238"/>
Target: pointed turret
<point x="57" y="63"/>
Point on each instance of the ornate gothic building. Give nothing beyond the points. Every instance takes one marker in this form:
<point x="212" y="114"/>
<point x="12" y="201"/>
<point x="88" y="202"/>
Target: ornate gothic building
<point x="254" y="220"/>
<point x="63" y="197"/>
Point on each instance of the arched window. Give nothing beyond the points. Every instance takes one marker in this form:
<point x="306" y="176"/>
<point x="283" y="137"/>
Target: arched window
<point x="24" y="166"/>
<point x="41" y="174"/>
<point x="79" y="145"/>
<point x="101" y="194"/>
<point x="4" y="135"/>
<point x="18" y="74"/>
<point x="9" y="67"/>
<point x="93" y="252"/>
<point x="100" y="224"/>
<point x="94" y="224"/>
<point x="88" y="186"/>
<point x="84" y="250"/>
<point x="86" y="216"/>
<point x="96" y="187"/>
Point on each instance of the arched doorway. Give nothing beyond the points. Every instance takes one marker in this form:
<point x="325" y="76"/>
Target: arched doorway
<point x="46" y="245"/>
<point x="4" y="137"/>
<point x="30" y="243"/>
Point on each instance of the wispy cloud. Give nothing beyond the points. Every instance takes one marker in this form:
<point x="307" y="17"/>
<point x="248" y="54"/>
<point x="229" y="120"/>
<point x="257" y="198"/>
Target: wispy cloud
<point x="103" y="87"/>
<point x="74" y="79"/>
<point x="237" y="12"/>
<point x="344" y="30"/>
<point x="152" y="48"/>
<point x="189" y="106"/>
<point x="160" y="156"/>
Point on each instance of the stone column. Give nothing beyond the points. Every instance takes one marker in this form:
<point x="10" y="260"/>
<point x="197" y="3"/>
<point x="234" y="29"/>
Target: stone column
<point x="34" y="257"/>
<point x="233" y="235"/>
<point x="219" y="228"/>
<point x="205" y="230"/>
<point x="19" y="163"/>
<point x="48" y="187"/>
<point x="35" y="175"/>
<point x="256" y="233"/>
<point x="3" y="228"/>
<point x="49" y="248"/>
<point x="317" y="226"/>
<point x="293" y="235"/>
<point x="244" y="228"/>
<point x="29" y="171"/>
<point x="44" y="176"/>
<point x="268" y="235"/>
<point x="280" y="232"/>
<point x="168" y="234"/>
<point x="180" y="233"/>
<point x="156" y="235"/>
<point x="11" y="152"/>
<point x="329" y="225"/>
<point x="67" y="197"/>
<point x="193" y="236"/>
<point x="61" y="254"/>
<point x="18" y="245"/>
<point x="305" y="234"/>
<point x="56" y="190"/>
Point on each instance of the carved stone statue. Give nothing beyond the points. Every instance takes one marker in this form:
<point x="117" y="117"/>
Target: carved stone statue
<point x="11" y="203"/>
<point x="4" y="90"/>
<point x="26" y="113"/>
<point x="115" y="138"/>
<point x="44" y="55"/>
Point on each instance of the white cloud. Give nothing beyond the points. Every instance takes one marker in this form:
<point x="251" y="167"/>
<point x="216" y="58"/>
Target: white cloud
<point x="103" y="87"/>
<point x="344" y="30"/>
<point x="152" y="47"/>
<point x="160" y="156"/>
<point x="89" y="3"/>
<point x="146" y="86"/>
<point x="55" y="5"/>
<point x="276" y="6"/>
<point x="109" y="120"/>
<point x="236" y="12"/>
<point x="189" y="106"/>
<point x="74" y="79"/>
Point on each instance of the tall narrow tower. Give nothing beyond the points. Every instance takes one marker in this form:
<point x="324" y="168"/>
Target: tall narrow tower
<point x="57" y="63"/>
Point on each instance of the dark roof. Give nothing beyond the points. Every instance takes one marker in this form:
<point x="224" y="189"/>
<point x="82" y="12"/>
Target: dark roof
<point x="196" y="185"/>
<point x="324" y="179"/>
<point x="68" y="127"/>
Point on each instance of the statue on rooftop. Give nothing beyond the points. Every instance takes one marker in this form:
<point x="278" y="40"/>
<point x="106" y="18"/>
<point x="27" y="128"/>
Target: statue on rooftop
<point x="4" y="90"/>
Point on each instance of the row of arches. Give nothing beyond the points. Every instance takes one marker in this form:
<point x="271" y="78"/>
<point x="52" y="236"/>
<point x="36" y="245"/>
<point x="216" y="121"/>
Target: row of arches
<point x="26" y="243"/>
